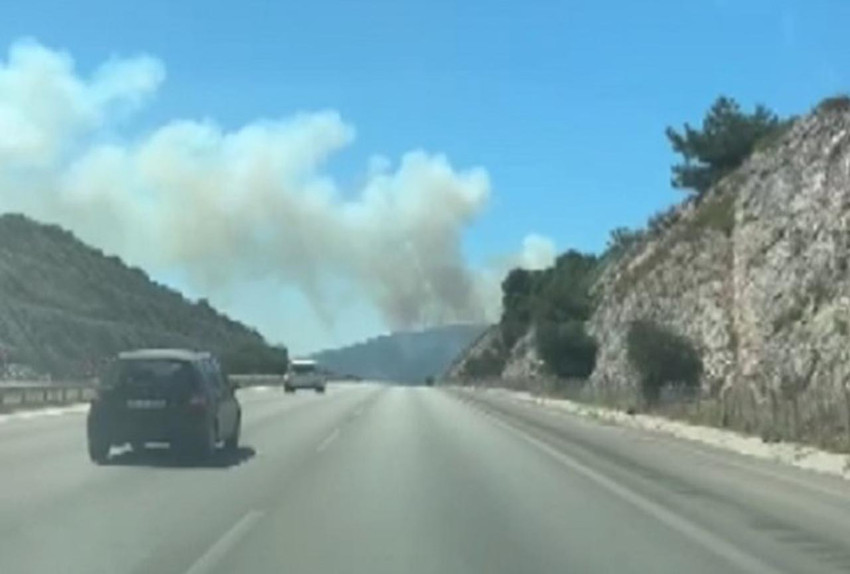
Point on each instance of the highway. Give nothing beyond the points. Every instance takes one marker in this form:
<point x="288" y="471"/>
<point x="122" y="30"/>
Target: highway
<point x="380" y="479"/>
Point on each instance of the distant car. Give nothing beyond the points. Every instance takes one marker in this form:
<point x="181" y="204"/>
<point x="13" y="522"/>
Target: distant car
<point x="304" y="374"/>
<point x="172" y="396"/>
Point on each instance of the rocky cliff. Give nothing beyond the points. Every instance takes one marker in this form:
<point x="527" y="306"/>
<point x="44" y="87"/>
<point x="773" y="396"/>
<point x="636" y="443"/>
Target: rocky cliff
<point x="756" y="273"/>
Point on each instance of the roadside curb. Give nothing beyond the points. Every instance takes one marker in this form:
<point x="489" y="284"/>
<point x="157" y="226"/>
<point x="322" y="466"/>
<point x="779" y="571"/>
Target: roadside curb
<point x="791" y="454"/>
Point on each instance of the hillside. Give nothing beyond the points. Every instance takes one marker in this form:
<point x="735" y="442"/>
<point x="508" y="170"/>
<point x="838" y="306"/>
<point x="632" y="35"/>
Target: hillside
<point x="407" y="357"/>
<point x="754" y="274"/>
<point x="65" y="307"/>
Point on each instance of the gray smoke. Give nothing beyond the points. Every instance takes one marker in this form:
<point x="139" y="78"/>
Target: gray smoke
<point x="226" y="207"/>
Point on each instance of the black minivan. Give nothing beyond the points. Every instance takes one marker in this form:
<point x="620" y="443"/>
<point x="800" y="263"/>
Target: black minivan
<point x="165" y="396"/>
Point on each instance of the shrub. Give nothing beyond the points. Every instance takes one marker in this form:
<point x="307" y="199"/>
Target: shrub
<point x="717" y="213"/>
<point x="661" y="358"/>
<point x="488" y="364"/>
<point x="563" y="293"/>
<point x="512" y="330"/>
<point x="837" y="103"/>
<point x="622" y="239"/>
<point x="517" y="292"/>
<point x="567" y="349"/>
<point x="558" y="294"/>
<point x="771" y="138"/>
<point x="657" y="222"/>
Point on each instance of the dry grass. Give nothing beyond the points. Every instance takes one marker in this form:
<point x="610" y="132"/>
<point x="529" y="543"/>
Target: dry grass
<point x="820" y="421"/>
<point x="816" y="420"/>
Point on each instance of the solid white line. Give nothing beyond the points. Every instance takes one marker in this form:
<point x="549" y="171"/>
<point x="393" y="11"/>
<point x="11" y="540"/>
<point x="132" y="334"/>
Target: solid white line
<point x="223" y="545"/>
<point x="746" y="467"/>
<point x="706" y="450"/>
<point x="740" y="559"/>
<point x="328" y="440"/>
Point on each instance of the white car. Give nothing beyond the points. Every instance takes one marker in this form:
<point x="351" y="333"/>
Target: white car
<point x="304" y="374"/>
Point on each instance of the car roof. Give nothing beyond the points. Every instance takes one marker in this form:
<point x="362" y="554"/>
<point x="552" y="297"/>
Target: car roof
<point x="304" y="362"/>
<point x="163" y="355"/>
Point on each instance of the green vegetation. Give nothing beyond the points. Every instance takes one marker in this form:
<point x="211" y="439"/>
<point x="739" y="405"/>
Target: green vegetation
<point x="662" y="358"/>
<point x="558" y="301"/>
<point x="65" y="308"/>
<point x="838" y="103"/>
<point x="728" y="136"/>
<point x="518" y="291"/>
<point x="716" y="213"/>
<point x="621" y="239"/>
<point x="567" y="349"/>
<point x="487" y="365"/>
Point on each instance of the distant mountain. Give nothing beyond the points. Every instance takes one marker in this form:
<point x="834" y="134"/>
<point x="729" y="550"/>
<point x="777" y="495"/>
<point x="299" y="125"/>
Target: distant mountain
<point x="65" y="307"/>
<point x="406" y="357"/>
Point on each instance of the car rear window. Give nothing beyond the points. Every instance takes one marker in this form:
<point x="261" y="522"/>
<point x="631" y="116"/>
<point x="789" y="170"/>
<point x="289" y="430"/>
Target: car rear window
<point x="160" y="373"/>
<point x="303" y="368"/>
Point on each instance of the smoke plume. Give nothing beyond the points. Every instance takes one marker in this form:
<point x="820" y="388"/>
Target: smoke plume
<point x="226" y="207"/>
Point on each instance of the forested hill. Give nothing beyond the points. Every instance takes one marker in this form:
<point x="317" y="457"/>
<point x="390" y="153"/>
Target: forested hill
<point x="406" y="357"/>
<point x="65" y="307"/>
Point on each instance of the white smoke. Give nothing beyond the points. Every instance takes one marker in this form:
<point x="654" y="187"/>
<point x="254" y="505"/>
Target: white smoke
<point x="226" y="207"/>
<point x="537" y="253"/>
<point x="45" y="108"/>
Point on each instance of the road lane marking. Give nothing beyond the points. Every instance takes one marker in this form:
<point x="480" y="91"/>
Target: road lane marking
<point x="746" y="467"/>
<point x="726" y="550"/>
<point x="328" y="440"/>
<point x="214" y="554"/>
<point x="742" y="461"/>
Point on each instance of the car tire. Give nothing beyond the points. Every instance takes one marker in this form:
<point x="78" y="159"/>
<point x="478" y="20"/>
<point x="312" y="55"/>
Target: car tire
<point x="288" y="389"/>
<point x="320" y="390"/>
<point x="98" y="449"/>
<point x="232" y="442"/>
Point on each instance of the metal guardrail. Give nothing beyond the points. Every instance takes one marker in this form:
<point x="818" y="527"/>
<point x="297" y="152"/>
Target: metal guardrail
<point x="256" y="380"/>
<point x="29" y="394"/>
<point x="18" y="395"/>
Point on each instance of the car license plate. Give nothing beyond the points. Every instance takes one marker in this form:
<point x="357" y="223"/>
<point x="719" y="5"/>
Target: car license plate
<point x="145" y="404"/>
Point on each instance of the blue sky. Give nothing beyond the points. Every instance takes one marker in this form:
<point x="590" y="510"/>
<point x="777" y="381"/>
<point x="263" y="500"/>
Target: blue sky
<point x="563" y="103"/>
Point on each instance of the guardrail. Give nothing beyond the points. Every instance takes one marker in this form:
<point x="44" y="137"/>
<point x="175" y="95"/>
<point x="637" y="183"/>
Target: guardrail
<point x="16" y="395"/>
<point x="26" y="394"/>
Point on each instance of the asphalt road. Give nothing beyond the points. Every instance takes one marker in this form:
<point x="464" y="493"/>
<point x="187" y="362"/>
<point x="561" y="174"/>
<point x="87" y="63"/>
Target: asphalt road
<point x="378" y="479"/>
